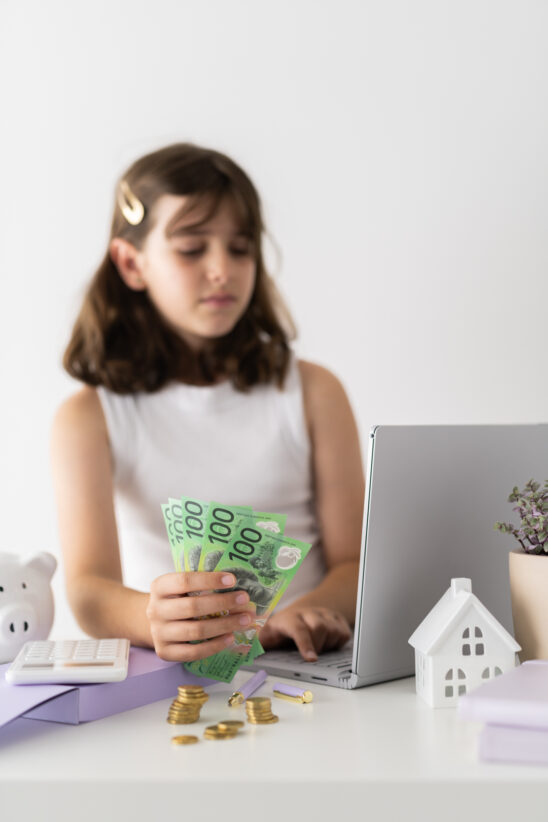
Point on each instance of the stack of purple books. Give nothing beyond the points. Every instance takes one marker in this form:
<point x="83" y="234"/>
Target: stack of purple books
<point x="514" y="708"/>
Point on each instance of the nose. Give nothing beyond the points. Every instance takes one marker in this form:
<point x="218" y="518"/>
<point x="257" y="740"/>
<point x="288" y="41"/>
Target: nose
<point x="17" y="624"/>
<point x="218" y="266"/>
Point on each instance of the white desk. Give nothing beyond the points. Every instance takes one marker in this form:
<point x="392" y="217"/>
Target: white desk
<point x="376" y="753"/>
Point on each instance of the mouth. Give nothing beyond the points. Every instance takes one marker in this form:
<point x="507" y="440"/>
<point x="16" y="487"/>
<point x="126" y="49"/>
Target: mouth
<point x="219" y="300"/>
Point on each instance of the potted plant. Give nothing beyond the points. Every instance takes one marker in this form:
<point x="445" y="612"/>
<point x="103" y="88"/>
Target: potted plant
<point x="528" y="568"/>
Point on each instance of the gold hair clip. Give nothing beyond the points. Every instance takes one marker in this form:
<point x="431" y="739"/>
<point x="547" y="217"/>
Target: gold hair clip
<point x="130" y="206"/>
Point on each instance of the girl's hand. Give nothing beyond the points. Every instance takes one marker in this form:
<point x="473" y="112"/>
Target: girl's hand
<point x="177" y="619"/>
<point x="312" y="629"/>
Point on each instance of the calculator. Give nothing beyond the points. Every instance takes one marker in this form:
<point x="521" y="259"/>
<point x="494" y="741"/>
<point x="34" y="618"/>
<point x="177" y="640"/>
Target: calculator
<point x="70" y="661"/>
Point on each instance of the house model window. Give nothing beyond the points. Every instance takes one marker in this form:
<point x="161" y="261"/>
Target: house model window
<point x="458" y="646"/>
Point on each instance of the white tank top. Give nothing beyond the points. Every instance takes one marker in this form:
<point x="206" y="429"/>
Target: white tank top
<point x="212" y="443"/>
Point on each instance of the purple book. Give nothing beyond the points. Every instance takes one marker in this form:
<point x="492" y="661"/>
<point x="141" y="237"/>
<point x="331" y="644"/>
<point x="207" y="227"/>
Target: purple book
<point x="149" y="679"/>
<point x="498" y="743"/>
<point x="518" y="698"/>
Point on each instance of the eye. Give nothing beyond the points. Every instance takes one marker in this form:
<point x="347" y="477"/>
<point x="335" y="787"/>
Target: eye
<point x="1" y="589"/>
<point x="193" y="252"/>
<point x="23" y="584"/>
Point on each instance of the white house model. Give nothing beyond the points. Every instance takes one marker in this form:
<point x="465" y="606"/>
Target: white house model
<point x="458" y="646"/>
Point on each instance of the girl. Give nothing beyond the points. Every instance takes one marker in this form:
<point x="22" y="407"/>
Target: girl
<point x="191" y="387"/>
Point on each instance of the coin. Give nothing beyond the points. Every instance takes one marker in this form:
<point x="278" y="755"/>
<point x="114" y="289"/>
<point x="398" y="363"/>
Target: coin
<point x="257" y="702"/>
<point x="228" y="724"/>
<point x="267" y="721"/>
<point x="220" y="734"/>
<point x="180" y="721"/>
<point x="184" y="740"/>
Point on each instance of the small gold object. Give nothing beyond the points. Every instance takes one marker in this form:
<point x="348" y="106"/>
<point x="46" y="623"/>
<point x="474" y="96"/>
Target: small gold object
<point x="216" y="732"/>
<point x="130" y="205"/>
<point x="187" y="705"/>
<point x="229" y="724"/>
<point x="307" y="696"/>
<point x="184" y="740"/>
<point x="259" y="711"/>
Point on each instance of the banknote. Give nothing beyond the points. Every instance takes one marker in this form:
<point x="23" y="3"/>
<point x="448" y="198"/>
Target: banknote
<point x="263" y="563"/>
<point x="173" y="518"/>
<point x="219" y="527"/>
<point x="194" y="514"/>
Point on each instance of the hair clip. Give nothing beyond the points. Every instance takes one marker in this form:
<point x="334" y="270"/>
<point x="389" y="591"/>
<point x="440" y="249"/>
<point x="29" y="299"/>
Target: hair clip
<point x="130" y="206"/>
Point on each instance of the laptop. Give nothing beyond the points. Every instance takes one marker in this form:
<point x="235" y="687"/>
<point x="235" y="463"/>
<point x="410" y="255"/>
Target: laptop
<point x="432" y="496"/>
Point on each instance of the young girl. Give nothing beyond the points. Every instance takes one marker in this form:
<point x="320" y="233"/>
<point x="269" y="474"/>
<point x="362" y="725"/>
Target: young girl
<point x="191" y="388"/>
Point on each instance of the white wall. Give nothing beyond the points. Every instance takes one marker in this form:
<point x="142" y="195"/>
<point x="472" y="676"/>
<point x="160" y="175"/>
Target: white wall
<point x="400" y="149"/>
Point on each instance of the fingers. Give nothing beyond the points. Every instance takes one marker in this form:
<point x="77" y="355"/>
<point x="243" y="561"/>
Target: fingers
<point x="196" y="607"/>
<point x="312" y="629"/>
<point x="179" y="605"/>
<point x="187" y="582"/>
<point x="190" y="630"/>
<point x="185" y="652"/>
<point x="329" y="629"/>
<point x="302" y="637"/>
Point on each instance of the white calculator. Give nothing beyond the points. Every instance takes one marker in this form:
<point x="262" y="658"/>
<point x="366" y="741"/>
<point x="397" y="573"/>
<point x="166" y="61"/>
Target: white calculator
<point x="70" y="662"/>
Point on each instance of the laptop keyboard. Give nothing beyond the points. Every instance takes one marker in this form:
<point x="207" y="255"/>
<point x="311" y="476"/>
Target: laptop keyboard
<point x="331" y="659"/>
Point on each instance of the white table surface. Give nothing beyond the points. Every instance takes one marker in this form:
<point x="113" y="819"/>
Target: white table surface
<point x="375" y="753"/>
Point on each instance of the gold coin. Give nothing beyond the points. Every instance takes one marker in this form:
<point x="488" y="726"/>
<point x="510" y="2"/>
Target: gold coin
<point x="219" y="735"/>
<point x="184" y="740"/>
<point x="173" y="721"/>
<point x="228" y="724"/>
<point x="257" y="701"/>
<point x="268" y="721"/>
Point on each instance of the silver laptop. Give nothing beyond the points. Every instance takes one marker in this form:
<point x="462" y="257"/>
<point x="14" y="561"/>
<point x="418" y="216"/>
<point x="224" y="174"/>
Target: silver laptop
<point x="432" y="496"/>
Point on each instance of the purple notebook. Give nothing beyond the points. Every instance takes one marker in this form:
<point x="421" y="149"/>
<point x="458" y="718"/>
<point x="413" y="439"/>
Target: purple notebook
<point x="498" y="743"/>
<point x="149" y="679"/>
<point x="517" y="698"/>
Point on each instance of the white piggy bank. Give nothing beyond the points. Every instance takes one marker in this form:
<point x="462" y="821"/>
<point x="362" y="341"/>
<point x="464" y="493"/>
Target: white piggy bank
<point x="26" y="601"/>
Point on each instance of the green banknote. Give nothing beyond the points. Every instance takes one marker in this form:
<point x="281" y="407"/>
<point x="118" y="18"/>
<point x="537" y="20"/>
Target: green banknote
<point x="219" y="527"/>
<point x="194" y="519"/>
<point x="264" y="563"/>
<point x="173" y="518"/>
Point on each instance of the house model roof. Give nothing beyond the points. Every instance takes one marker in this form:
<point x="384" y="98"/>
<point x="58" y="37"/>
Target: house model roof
<point x="438" y="624"/>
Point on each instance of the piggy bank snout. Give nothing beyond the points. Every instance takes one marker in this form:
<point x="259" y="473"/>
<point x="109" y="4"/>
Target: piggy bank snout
<point x="17" y="623"/>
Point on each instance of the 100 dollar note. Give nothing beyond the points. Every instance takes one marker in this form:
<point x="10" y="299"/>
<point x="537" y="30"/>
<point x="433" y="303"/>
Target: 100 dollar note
<point x="263" y="563"/>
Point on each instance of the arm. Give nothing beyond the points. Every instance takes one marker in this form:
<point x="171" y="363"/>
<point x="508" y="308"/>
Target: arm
<point x="165" y="619"/>
<point x="320" y="619"/>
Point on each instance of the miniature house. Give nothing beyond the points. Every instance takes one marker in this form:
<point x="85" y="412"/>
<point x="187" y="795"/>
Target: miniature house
<point x="458" y="646"/>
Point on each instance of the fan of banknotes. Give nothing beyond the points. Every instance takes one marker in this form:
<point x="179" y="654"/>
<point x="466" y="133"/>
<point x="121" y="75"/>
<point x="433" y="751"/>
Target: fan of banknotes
<point x="210" y="536"/>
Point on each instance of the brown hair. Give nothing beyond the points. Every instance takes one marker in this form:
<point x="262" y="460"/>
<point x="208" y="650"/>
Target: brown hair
<point x="119" y="339"/>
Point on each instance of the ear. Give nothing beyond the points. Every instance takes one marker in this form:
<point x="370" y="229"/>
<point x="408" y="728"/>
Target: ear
<point x="44" y="562"/>
<point x="126" y="258"/>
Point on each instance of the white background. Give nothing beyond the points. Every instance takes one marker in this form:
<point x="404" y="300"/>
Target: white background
<point x="400" y="149"/>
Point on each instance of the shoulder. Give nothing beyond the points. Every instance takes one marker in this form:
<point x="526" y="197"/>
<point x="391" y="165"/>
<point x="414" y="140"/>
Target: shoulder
<point x="80" y="414"/>
<point x="323" y="393"/>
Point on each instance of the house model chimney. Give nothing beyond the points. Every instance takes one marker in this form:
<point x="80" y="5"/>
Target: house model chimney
<point x="461" y="584"/>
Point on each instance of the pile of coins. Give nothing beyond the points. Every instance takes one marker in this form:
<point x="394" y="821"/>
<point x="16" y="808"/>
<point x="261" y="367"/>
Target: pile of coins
<point x="259" y="711"/>
<point x="223" y="730"/>
<point x="187" y="705"/>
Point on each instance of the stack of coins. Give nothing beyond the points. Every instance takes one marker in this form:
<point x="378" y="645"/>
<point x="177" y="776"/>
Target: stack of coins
<point x="186" y="707"/>
<point x="223" y="730"/>
<point x="259" y="711"/>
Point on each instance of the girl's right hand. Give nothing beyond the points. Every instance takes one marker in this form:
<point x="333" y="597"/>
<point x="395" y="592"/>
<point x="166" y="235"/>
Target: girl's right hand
<point x="176" y="619"/>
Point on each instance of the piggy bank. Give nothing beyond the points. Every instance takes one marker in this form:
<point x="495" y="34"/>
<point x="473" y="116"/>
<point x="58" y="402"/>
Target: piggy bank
<point x="26" y="601"/>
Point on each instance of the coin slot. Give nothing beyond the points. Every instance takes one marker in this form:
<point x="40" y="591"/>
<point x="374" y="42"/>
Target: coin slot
<point x="320" y="678"/>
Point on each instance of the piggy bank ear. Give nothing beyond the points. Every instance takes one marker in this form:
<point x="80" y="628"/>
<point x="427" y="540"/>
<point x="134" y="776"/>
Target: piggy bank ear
<point x="43" y="562"/>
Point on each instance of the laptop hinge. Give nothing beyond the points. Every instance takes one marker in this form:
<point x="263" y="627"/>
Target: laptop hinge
<point x="349" y="681"/>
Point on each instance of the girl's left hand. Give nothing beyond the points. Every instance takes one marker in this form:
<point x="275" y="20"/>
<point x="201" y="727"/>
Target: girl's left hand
<point x="312" y="629"/>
